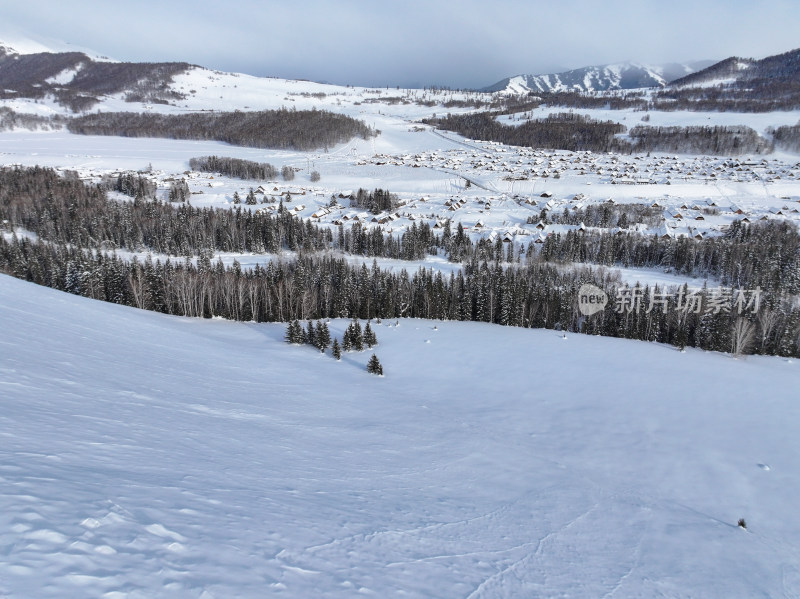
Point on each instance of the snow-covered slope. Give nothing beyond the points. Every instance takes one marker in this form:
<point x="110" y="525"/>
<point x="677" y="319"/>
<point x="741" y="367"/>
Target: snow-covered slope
<point x="151" y="456"/>
<point x="626" y="75"/>
<point x="725" y="71"/>
<point x="780" y="68"/>
<point x="15" y="41"/>
<point x="38" y="81"/>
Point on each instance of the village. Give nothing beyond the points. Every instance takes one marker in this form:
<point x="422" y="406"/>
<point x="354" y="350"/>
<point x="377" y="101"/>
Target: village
<point x="521" y="195"/>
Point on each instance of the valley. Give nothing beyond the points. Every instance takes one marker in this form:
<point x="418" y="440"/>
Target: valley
<point x="588" y="357"/>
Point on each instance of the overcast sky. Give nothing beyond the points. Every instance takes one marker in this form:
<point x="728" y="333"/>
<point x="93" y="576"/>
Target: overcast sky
<point x="467" y="43"/>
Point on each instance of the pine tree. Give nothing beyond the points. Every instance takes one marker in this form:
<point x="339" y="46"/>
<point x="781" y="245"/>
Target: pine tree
<point x="236" y="198"/>
<point x="347" y="340"/>
<point x="374" y="366"/>
<point x="294" y="333"/>
<point x="358" y="336"/>
<point x="369" y="336"/>
<point x="336" y="350"/>
<point x="323" y="336"/>
<point x="311" y="334"/>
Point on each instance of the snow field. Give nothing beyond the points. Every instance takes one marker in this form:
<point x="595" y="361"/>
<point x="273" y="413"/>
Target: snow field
<point x="153" y="456"/>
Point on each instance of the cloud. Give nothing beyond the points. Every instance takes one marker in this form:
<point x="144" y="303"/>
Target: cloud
<point x="466" y="44"/>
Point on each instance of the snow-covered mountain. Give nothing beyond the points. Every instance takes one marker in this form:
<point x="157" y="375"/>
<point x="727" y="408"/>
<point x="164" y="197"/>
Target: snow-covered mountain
<point x="783" y="67"/>
<point x="40" y="79"/>
<point x="624" y="75"/>
<point x="14" y="41"/>
<point x="77" y="80"/>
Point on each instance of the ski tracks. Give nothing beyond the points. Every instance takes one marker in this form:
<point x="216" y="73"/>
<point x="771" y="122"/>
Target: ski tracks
<point x="497" y="579"/>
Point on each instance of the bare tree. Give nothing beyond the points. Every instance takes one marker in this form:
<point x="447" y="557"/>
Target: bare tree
<point x="254" y="299"/>
<point x="741" y="336"/>
<point x="767" y="321"/>
<point x="137" y="285"/>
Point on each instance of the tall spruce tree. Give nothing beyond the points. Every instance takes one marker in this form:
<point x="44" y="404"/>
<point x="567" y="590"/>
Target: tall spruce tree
<point x="358" y="336"/>
<point x="369" y="336"/>
<point x="323" y="336"/>
<point x="311" y="334"/>
<point x="347" y="339"/>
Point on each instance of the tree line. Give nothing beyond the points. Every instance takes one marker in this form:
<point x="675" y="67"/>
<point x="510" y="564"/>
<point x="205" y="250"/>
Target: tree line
<point x="63" y="209"/>
<point x="10" y="119"/>
<point x="768" y="96"/>
<point x="716" y="140"/>
<point x="538" y="295"/>
<point x="787" y="137"/>
<point x="234" y="167"/>
<point x="565" y="131"/>
<point x="570" y="131"/>
<point x="765" y="255"/>
<point x="280" y="129"/>
<point x="605" y="215"/>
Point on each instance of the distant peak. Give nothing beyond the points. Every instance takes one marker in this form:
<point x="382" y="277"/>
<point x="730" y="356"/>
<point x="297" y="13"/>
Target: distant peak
<point x="619" y="75"/>
<point x="16" y="41"/>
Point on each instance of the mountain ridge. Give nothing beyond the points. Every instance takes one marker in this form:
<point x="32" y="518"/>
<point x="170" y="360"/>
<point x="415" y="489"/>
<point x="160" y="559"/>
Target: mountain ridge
<point x="76" y="79"/>
<point x="782" y="67"/>
<point x="623" y="75"/>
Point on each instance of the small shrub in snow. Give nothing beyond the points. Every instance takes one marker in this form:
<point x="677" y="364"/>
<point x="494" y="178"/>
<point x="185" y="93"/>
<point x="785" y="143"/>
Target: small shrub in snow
<point x="374" y="366"/>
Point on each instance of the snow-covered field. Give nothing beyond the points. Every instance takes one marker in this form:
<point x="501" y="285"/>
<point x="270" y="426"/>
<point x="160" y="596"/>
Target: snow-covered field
<point x="153" y="456"/>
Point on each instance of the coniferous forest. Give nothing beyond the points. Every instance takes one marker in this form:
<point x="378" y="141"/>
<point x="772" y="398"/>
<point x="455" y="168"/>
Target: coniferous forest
<point x="234" y="167"/>
<point x="575" y="132"/>
<point x="285" y="129"/>
<point x="75" y="236"/>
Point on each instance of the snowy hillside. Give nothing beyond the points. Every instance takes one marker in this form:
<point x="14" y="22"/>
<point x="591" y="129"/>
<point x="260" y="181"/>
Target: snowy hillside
<point x="625" y="75"/>
<point x="150" y="456"/>
<point x="61" y="79"/>
<point x="14" y="41"/>
<point x="779" y="68"/>
<point x="723" y="72"/>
